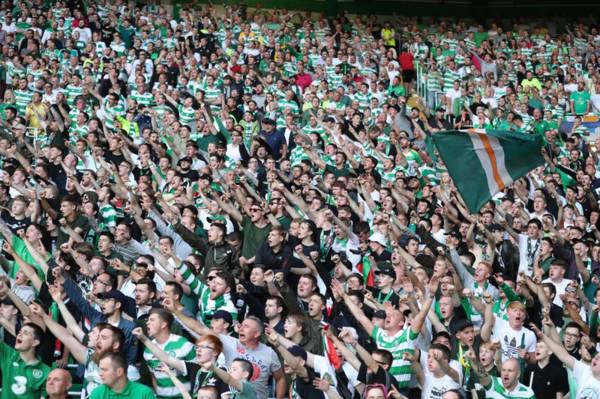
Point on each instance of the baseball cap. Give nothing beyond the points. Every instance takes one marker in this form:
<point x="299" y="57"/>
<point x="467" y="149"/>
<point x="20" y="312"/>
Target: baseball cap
<point x="298" y="351"/>
<point x="221" y="314"/>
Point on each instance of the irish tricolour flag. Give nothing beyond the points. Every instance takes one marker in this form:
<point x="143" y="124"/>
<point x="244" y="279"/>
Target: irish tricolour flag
<point x="483" y="163"/>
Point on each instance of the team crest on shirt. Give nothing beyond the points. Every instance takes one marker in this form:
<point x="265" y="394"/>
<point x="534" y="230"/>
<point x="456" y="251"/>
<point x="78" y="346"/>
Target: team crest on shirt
<point x="37" y="374"/>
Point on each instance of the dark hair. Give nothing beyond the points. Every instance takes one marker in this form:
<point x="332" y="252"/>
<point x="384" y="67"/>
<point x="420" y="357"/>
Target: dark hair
<point x="117" y="360"/>
<point x="164" y="315"/>
<point x="442" y="348"/>
<point x="551" y="287"/>
<point x="118" y="335"/>
<point x="387" y="356"/>
<point x="107" y="234"/>
<point x="246" y="366"/>
<point x="177" y="289"/>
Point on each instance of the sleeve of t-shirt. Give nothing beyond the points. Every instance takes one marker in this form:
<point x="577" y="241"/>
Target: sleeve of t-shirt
<point x="530" y="341"/>
<point x="581" y="371"/>
<point x="191" y="369"/>
<point x="248" y="391"/>
<point x="275" y="363"/>
<point x="229" y="347"/>
<point x="5" y="352"/>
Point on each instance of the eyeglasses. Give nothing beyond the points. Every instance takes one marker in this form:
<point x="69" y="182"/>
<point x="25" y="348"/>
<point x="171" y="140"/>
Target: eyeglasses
<point x="206" y="347"/>
<point x="567" y="334"/>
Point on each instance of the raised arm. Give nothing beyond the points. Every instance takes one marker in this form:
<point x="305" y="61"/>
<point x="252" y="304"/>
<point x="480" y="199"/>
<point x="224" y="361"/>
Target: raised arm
<point x="160" y="354"/>
<point x="365" y="322"/>
<point x="76" y="348"/>
<point x="190" y="322"/>
<point x="420" y="317"/>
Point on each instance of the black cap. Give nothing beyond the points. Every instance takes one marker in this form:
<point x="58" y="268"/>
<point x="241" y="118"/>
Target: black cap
<point x="462" y="324"/>
<point x="441" y="109"/>
<point x="221" y="314"/>
<point x="268" y="121"/>
<point x="379" y="314"/>
<point x="127" y="303"/>
<point x="455" y="234"/>
<point x="185" y="159"/>
<point x="495" y="227"/>
<point x="298" y="351"/>
<point x="388" y="271"/>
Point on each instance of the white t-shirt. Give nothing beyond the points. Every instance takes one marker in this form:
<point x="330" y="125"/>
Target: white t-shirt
<point x="435" y="387"/>
<point x="588" y="386"/>
<point x="560" y="289"/>
<point x="511" y="340"/>
<point x="528" y="248"/>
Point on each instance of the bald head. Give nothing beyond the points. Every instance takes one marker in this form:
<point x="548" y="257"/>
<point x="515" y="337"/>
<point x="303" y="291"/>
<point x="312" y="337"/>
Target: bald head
<point x="510" y="373"/>
<point x="58" y="383"/>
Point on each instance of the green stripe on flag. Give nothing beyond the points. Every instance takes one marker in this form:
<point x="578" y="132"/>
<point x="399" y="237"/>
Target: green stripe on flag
<point x="499" y="158"/>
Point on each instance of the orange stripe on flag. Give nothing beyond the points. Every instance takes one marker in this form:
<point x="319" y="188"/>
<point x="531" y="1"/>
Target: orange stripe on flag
<point x="488" y="148"/>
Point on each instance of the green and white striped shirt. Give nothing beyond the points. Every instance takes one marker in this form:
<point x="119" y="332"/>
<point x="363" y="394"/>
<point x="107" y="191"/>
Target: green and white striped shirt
<point x="146" y="99"/>
<point x="207" y="306"/>
<point x="177" y="347"/>
<point x="497" y="391"/>
<point x="402" y="342"/>
<point x="186" y="115"/>
<point x="22" y="99"/>
<point x="71" y="92"/>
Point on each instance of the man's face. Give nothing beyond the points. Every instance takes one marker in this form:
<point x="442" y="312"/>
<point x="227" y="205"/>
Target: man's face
<point x="305" y="287"/>
<point x="274" y="239"/>
<point x="154" y="325"/>
<point x="556" y="272"/>
<point x="109" y="307"/>
<point x="218" y="286"/>
<point x="25" y="339"/>
<point x="393" y="319"/>
<point x="466" y="336"/>
<point x="271" y="309"/>
<point x="509" y="372"/>
<point x="101" y="284"/>
<point x="143" y="295"/>
<point x="108" y="374"/>
<point x="105" y="341"/>
<point x="315" y="306"/>
<point x="67" y="208"/>
<point x="58" y="382"/>
<point x="571" y="337"/>
<point x="248" y="331"/>
<point x="542" y="351"/>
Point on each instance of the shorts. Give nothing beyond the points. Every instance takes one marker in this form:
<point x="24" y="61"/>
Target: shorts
<point x="408" y="75"/>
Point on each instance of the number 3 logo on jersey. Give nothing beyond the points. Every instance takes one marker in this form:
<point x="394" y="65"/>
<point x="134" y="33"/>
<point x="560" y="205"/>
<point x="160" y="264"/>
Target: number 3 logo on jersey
<point x="20" y="385"/>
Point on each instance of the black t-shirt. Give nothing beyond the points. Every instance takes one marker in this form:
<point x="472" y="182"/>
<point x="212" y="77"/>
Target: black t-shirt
<point x="274" y="261"/>
<point x="15" y="224"/>
<point x="305" y="388"/>
<point x="381" y="297"/>
<point x="199" y="379"/>
<point x="549" y="380"/>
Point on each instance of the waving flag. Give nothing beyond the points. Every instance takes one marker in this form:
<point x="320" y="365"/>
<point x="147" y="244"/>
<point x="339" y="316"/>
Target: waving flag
<point x="483" y="164"/>
<point x="329" y="350"/>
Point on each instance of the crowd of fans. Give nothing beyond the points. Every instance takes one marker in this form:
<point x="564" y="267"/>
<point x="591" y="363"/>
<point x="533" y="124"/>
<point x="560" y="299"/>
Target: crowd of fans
<point x="234" y="203"/>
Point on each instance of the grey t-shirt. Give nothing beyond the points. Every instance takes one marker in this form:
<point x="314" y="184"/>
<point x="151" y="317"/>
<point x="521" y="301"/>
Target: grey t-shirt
<point x="263" y="358"/>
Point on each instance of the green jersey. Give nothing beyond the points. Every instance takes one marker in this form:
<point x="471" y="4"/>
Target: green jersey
<point x="580" y="102"/>
<point x="131" y="390"/>
<point x="178" y="347"/>
<point x="19" y="378"/>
